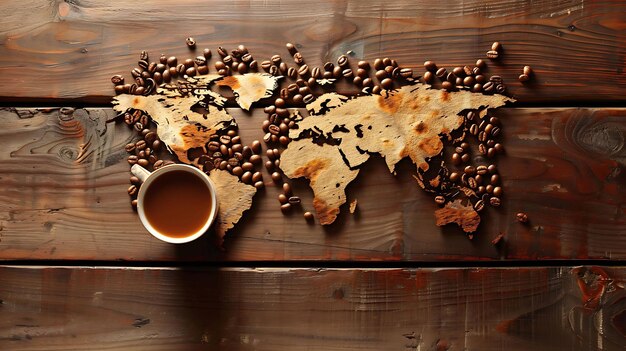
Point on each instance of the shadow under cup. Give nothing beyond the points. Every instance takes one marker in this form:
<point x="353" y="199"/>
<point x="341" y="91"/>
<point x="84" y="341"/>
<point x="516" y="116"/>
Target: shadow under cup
<point x="177" y="203"/>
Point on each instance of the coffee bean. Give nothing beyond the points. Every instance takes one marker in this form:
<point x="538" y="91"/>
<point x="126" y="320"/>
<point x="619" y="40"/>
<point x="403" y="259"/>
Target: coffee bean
<point x="117" y="79"/>
<point x="140" y="145"/>
<point x="228" y="60"/>
<point x="498" y="148"/>
<point x="523" y="78"/>
<point x="298" y="59"/>
<point x="471" y="170"/>
<point x="364" y="65"/>
<point x="303" y="70"/>
<point x="456" y="159"/>
<point x="256" y="146"/>
<point x="441" y="73"/>
<point x="447" y="86"/>
<point x="246" y="177"/>
<point x="489" y="87"/>
<point x="274" y="129"/>
<point x="455" y="176"/>
<point x="527" y="71"/>
<point x="329" y="66"/>
<point x="480" y="63"/>
<point x="386" y="83"/>
<point x="191" y="42"/>
<point x="458" y="71"/>
<point x="287" y="189"/>
<point x="291" y="48"/>
<point x="494" y="201"/>
<point x="469" y="81"/>
<point x="376" y="90"/>
<point x="500" y="88"/>
<point x="496" y="46"/>
<point x="451" y="78"/>
<point x="298" y="99"/>
<point x="256" y="177"/>
<point x="521" y="217"/>
<point x="380" y="75"/>
<point x="458" y="82"/>
<point x="247" y="166"/>
<point x="222" y="52"/>
<point x="428" y="77"/>
<point x="480" y="79"/>
<point x="282" y="67"/>
<point x="238" y="171"/>
<point x="342" y="60"/>
<point x="406" y="73"/>
<point x="472" y="183"/>
<point x="285" y="208"/>
<point x="253" y="66"/>
<point x="482" y="169"/>
<point x="347" y="73"/>
<point x="294" y="200"/>
<point x="492" y="54"/>
<point x="144" y="65"/>
<point x="440" y="200"/>
<point x="316" y="72"/>
<point x="276" y="177"/>
<point x="479" y="205"/>
<point x="259" y="185"/>
<point x="482" y="149"/>
<point x="387" y="61"/>
<point x="308" y="216"/>
<point x="143" y="162"/>
<point x="156" y="145"/>
<point x="430" y="66"/>
<point x="266" y="65"/>
<point x="378" y="64"/>
<point x="497" y="191"/>
<point x="283" y="199"/>
<point x="389" y="70"/>
<point x="132" y="190"/>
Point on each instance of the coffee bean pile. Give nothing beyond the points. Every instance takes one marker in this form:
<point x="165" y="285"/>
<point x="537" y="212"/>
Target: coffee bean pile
<point x="145" y="151"/>
<point x="150" y="74"/>
<point x="227" y="153"/>
<point x="238" y="60"/>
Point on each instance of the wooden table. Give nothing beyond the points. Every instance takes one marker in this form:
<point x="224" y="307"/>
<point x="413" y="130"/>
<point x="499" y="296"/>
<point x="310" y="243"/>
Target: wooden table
<point x="80" y="273"/>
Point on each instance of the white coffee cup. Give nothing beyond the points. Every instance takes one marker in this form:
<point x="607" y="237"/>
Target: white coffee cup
<point x="148" y="178"/>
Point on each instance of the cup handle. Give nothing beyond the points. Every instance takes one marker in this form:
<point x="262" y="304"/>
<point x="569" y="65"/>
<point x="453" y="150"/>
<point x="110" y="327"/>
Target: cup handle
<point x="139" y="172"/>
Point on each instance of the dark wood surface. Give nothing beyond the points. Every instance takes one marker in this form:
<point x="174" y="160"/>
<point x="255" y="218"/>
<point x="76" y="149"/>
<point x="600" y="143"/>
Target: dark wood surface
<point x="69" y="50"/>
<point x="568" y="308"/>
<point x="63" y="181"/>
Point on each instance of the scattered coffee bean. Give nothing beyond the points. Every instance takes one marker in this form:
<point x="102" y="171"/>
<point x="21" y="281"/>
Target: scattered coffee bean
<point x="143" y="162"/>
<point x="492" y="54"/>
<point x="428" y="77"/>
<point x="378" y="64"/>
<point x="440" y="200"/>
<point x="308" y="216"/>
<point x="347" y="73"/>
<point x="276" y="177"/>
<point x="287" y="189"/>
<point x="479" y="205"/>
<point x="496" y="46"/>
<point x="447" y="86"/>
<point x="298" y="59"/>
<point x="294" y="200"/>
<point x="522" y="217"/>
<point x="342" y="60"/>
<point x="494" y="201"/>
<point x="285" y="208"/>
<point x="303" y="71"/>
<point x="130" y="147"/>
<point x="470" y="170"/>
<point x="441" y="73"/>
<point x="191" y="42"/>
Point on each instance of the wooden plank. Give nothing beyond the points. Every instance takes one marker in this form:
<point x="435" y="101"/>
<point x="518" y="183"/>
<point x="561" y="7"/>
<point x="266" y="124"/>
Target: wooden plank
<point x="69" y="50"/>
<point x="559" y="308"/>
<point x="63" y="181"/>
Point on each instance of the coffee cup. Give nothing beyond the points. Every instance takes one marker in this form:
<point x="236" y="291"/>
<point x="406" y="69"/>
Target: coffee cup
<point x="176" y="203"/>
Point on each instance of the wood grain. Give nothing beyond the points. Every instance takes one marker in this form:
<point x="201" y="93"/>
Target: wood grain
<point x="63" y="181"/>
<point x="69" y="50"/>
<point x="560" y="308"/>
